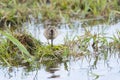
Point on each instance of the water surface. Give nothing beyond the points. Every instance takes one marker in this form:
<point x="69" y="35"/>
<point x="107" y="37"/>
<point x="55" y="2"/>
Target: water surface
<point x="80" y="69"/>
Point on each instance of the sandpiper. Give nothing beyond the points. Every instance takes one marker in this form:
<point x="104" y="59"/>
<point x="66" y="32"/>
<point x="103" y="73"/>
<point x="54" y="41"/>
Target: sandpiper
<point x="51" y="33"/>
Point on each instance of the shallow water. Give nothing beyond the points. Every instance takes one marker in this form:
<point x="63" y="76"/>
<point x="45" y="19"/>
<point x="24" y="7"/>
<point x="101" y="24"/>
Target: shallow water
<point x="37" y="30"/>
<point x="80" y="69"/>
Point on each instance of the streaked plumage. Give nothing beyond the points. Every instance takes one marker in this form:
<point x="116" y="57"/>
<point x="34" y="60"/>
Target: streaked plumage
<point x="51" y="33"/>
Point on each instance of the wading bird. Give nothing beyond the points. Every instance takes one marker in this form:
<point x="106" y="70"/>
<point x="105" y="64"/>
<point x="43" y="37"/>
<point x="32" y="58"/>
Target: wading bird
<point x="51" y="33"/>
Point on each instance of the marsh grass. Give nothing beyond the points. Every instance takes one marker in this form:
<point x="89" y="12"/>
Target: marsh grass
<point x="21" y="49"/>
<point x="15" y="12"/>
<point x="94" y="47"/>
<point x="116" y="40"/>
<point x="14" y="50"/>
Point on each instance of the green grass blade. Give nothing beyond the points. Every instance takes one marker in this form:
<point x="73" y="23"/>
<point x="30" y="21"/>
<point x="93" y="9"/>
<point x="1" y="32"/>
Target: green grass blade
<point x="16" y="42"/>
<point x="5" y="61"/>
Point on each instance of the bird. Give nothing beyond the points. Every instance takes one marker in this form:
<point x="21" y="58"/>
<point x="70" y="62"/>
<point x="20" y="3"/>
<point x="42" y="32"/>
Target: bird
<point x="48" y="1"/>
<point x="51" y="32"/>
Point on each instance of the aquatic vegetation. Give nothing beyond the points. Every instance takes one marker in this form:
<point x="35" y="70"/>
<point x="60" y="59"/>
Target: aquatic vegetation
<point x="90" y="47"/>
<point x="22" y="49"/>
<point x="93" y="47"/>
<point x="116" y="40"/>
<point x="12" y="47"/>
<point x="15" y="12"/>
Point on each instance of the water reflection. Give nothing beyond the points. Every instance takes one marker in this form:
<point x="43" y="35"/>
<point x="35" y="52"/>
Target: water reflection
<point x="52" y="71"/>
<point x="78" y="70"/>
